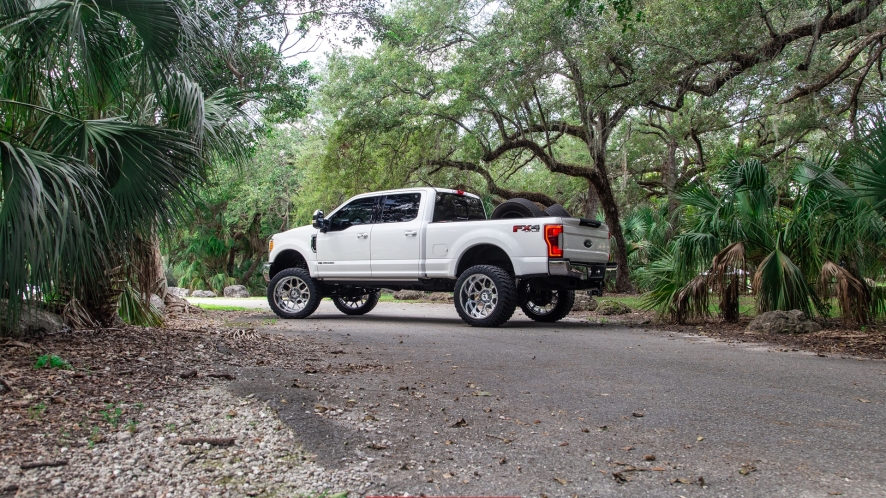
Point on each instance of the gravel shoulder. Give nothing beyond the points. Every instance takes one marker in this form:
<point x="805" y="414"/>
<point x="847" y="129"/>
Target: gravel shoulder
<point x="149" y="412"/>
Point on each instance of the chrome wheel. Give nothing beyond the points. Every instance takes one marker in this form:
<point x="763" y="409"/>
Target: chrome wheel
<point x="292" y="294"/>
<point x="354" y="302"/>
<point x="478" y="296"/>
<point x="543" y="305"/>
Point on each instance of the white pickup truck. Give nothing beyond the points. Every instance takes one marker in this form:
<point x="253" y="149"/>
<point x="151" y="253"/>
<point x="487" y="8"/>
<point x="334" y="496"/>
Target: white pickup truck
<point x="439" y="240"/>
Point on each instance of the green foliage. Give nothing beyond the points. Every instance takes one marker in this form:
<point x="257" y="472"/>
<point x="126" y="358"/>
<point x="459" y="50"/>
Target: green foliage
<point x="51" y="361"/>
<point x="111" y="414"/>
<point x="135" y="310"/>
<point x="36" y="412"/>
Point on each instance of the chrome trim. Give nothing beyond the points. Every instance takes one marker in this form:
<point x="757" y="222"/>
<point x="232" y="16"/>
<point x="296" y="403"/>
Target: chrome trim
<point x="266" y="271"/>
<point x="566" y="269"/>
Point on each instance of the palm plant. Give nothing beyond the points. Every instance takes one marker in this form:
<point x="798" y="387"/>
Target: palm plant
<point x="104" y="129"/>
<point x="742" y="224"/>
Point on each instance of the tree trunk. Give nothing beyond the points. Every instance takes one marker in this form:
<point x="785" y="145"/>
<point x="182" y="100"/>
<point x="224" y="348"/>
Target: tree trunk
<point x="592" y="206"/>
<point x="669" y="180"/>
<point x="613" y="220"/>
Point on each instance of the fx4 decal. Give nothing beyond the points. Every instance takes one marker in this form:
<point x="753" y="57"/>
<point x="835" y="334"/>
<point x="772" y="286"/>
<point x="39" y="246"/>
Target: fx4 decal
<point x="526" y="228"/>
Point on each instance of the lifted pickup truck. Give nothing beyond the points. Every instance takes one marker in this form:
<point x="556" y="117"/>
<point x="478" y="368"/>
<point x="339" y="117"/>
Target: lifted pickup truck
<point x="438" y="240"/>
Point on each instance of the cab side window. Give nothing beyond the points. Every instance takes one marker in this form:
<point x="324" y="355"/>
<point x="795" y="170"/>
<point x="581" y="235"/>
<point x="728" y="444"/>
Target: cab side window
<point x="400" y="207"/>
<point x="358" y="212"/>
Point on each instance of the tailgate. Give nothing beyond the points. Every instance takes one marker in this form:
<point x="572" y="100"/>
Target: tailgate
<point x="585" y="244"/>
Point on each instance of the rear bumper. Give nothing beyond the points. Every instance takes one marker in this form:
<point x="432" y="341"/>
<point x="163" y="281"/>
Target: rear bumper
<point x="564" y="268"/>
<point x="266" y="271"/>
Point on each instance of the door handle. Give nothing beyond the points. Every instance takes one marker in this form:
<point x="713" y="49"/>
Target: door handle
<point x="362" y="235"/>
<point x="410" y="233"/>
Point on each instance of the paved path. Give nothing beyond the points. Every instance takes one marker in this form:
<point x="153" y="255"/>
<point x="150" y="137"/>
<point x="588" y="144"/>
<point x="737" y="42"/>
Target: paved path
<point x="553" y="410"/>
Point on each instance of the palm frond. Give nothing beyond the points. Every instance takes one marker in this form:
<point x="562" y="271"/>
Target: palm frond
<point x="853" y="295"/>
<point x="691" y="301"/>
<point x="135" y="310"/>
<point x="729" y="275"/>
<point x="49" y="208"/>
<point x="780" y="285"/>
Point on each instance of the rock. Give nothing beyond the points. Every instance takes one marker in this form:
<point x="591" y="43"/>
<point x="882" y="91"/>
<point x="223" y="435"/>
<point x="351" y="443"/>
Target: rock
<point x="440" y="297"/>
<point x="584" y="302"/>
<point x="607" y="307"/>
<point x="178" y="291"/>
<point x="782" y="322"/>
<point x="33" y="320"/>
<point x="203" y="293"/>
<point x="409" y="295"/>
<point x="158" y="303"/>
<point x="236" y="291"/>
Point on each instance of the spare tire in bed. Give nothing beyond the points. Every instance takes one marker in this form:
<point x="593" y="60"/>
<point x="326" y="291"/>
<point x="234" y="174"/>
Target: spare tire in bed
<point x="516" y="208"/>
<point x="557" y="210"/>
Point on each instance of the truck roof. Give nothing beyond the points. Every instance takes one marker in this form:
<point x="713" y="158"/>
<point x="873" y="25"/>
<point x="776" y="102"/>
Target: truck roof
<point x="415" y="189"/>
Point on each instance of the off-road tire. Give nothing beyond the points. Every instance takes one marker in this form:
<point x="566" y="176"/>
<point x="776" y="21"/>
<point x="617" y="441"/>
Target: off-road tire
<point x="474" y="308"/>
<point x="565" y="302"/>
<point x="557" y="210"/>
<point x="301" y="298"/>
<point x="342" y="304"/>
<point x="516" y="208"/>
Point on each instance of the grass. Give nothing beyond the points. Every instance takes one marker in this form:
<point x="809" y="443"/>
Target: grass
<point x="51" y="361"/>
<point x="221" y="307"/>
<point x="36" y="412"/>
<point x="112" y="414"/>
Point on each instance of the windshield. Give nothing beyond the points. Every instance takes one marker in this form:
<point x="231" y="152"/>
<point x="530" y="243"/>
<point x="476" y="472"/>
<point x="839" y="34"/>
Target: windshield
<point x="454" y="207"/>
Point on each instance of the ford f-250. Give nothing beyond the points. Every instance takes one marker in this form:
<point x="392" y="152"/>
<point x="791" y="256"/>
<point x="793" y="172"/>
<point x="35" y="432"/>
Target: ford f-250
<point x="438" y="240"/>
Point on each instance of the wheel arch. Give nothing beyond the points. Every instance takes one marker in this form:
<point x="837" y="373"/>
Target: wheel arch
<point x="484" y="254"/>
<point x="289" y="258"/>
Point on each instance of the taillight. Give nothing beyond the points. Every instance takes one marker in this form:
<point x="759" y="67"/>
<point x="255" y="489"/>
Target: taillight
<point x="554" y="240"/>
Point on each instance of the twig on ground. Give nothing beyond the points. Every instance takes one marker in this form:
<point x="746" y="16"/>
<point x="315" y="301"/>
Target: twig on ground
<point x="188" y="374"/>
<point x="215" y="441"/>
<point x="43" y="463"/>
<point x="221" y="376"/>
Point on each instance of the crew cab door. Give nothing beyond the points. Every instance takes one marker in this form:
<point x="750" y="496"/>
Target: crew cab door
<point x="396" y="237"/>
<point x="344" y="250"/>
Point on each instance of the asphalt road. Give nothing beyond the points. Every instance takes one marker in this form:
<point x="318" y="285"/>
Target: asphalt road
<point x="570" y="409"/>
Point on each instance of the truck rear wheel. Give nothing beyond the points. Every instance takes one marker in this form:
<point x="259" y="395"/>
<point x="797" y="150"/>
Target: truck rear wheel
<point x="546" y="305"/>
<point x="293" y="294"/>
<point x="357" y="305"/>
<point x="485" y="296"/>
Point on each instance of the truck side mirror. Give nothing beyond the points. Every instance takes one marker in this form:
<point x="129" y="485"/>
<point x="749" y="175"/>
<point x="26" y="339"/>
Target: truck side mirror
<point x="318" y="221"/>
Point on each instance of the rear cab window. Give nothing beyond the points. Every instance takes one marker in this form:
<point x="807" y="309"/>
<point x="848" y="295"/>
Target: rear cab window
<point x="454" y="207"/>
<point x="398" y="208"/>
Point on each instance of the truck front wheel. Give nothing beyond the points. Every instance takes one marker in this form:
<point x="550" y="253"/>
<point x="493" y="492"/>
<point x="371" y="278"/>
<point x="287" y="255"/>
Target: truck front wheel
<point x="485" y="296"/>
<point x="293" y="294"/>
<point x="546" y="305"/>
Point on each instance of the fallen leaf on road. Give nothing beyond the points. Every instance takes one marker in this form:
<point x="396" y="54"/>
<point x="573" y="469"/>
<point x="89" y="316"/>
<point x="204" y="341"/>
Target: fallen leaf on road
<point x="460" y="423"/>
<point x="375" y="446"/>
<point x="649" y="458"/>
<point x="482" y="393"/>
<point x="502" y="460"/>
<point x="320" y="408"/>
<point x="746" y="468"/>
<point x="232" y="413"/>
<point x="658" y="469"/>
<point x="619" y="477"/>
<point x="447" y="442"/>
<point x="447" y="475"/>
<point x="585" y="429"/>
<point x="699" y="438"/>
<point x="564" y="443"/>
<point x="561" y="481"/>
<point x="638" y="414"/>
<point x="627" y="448"/>
<point x="681" y="480"/>
<point x="835" y="493"/>
<point x="537" y="422"/>
<point x="864" y="400"/>
<point x="602" y="427"/>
